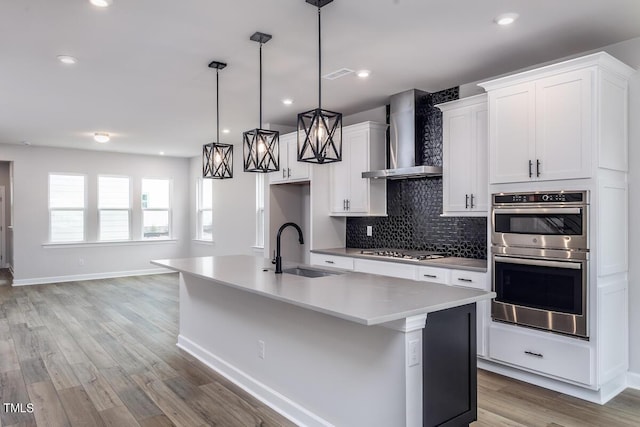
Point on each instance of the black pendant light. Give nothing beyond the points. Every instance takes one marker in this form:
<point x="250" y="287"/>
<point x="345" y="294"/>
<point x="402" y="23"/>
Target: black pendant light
<point x="319" y="131"/>
<point x="261" y="146"/>
<point x="217" y="158"/>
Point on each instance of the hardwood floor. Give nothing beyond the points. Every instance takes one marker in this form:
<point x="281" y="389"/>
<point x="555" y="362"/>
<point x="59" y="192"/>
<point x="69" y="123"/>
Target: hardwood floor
<point x="103" y="353"/>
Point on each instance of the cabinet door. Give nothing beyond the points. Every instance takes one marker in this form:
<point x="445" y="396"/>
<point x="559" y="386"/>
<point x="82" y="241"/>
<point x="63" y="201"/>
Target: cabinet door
<point x="457" y="151"/>
<point x="358" y="142"/>
<point x="480" y="186"/>
<point x="296" y="170"/>
<point x="339" y="182"/>
<point x="283" y="174"/>
<point x="563" y="126"/>
<point x="512" y="133"/>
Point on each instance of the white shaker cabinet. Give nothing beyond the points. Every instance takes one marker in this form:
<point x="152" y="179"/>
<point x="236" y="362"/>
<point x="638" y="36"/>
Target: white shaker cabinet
<point x="541" y="125"/>
<point x="465" y="161"/>
<point x="291" y="170"/>
<point x="363" y="149"/>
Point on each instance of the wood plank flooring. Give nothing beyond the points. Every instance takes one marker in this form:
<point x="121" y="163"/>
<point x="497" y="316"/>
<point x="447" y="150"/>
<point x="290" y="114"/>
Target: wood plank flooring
<point x="102" y="353"/>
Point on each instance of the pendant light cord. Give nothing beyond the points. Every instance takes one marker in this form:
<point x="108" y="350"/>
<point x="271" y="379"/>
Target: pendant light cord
<point x="260" y="85"/>
<point x="217" y="106"/>
<point x="319" y="61"/>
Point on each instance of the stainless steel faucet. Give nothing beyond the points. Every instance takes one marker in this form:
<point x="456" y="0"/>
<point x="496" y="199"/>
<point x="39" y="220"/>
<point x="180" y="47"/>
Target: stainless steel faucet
<point x="278" y="259"/>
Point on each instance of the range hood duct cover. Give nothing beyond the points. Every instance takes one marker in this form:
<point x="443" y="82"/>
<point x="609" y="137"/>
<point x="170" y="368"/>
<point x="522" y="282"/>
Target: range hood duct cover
<point x="406" y="138"/>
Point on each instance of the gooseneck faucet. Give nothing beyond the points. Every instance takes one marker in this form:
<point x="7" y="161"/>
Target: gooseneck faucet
<point x="278" y="259"/>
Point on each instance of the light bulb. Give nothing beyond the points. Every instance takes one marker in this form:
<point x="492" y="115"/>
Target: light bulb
<point x="217" y="159"/>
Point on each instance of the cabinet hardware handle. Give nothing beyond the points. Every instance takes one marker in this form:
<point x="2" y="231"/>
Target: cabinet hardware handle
<point x="288" y="171"/>
<point x="348" y="204"/>
<point x="284" y="173"/>
<point x="531" y="353"/>
<point x="462" y="279"/>
<point x="344" y="204"/>
<point x="329" y="262"/>
<point x="530" y="166"/>
<point x="466" y="201"/>
<point x="471" y="201"/>
<point x="431" y="276"/>
<point x="537" y="167"/>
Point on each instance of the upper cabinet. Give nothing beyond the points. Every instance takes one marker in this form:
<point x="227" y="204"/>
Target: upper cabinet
<point x="363" y="149"/>
<point x="291" y="170"/>
<point x="465" y="162"/>
<point x="544" y="123"/>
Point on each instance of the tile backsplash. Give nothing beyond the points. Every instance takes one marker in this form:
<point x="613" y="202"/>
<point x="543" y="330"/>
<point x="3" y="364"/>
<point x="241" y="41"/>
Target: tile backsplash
<point x="414" y="207"/>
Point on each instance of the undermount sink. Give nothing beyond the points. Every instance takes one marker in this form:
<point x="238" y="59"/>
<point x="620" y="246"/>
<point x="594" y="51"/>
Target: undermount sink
<point x="310" y="272"/>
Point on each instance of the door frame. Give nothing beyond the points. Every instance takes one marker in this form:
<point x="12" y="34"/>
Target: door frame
<point x="3" y="229"/>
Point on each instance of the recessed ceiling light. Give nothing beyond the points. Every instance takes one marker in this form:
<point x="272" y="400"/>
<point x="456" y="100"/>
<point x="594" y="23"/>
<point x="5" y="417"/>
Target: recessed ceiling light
<point x="27" y="143"/>
<point x="101" y="137"/>
<point x="66" y="59"/>
<point x="225" y="131"/>
<point x="506" y="18"/>
<point x="101" y="3"/>
<point x="162" y="153"/>
<point x="364" y="74"/>
<point x="287" y="101"/>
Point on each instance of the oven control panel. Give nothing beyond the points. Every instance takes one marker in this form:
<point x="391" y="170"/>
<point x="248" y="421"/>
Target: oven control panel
<point x="538" y="198"/>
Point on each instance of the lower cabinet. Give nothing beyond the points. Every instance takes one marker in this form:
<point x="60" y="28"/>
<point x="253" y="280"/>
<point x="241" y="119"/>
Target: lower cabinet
<point x="343" y="262"/>
<point x="404" y="271"/>
<point x="449" y="378"/>
<point x="544" y="353"/>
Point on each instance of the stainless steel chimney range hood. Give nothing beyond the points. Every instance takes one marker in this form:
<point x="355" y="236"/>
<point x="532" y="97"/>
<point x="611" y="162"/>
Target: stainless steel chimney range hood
<point x="407" y="124"/>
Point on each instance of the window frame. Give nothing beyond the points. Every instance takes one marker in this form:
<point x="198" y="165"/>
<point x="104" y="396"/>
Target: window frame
<point x="83" y="209"/>
<point x="260" y="195"/>
<point x="129" y="210"/>
<point x="168" y="209"/>
<point x="200" y="210"/>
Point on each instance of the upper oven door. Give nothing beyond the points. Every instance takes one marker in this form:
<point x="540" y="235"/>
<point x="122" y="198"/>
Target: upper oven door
<point x="540" y="227"/>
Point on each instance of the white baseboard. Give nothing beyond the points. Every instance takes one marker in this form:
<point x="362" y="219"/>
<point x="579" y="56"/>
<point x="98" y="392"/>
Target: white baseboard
<point x="92" y="276"/>
<point x="601" y="396"/>
<point x="276" y="401"/>
<point x="633" y="380"/>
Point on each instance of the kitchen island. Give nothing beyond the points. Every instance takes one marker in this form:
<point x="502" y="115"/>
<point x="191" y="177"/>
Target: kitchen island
<point x="344" y="349"/>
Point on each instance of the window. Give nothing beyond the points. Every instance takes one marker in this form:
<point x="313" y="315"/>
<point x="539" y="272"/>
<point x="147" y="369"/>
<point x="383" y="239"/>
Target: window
<point x="260" y="210"/>
<point x="204" y="205"/>
<point x="113" y="208"/>
<point x="156" y="221"/>
<point x="66" y="208"/>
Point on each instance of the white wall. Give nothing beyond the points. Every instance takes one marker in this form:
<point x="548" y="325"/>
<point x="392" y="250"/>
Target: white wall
<point x="35" y="263"/>
<point x="234" y="207"/>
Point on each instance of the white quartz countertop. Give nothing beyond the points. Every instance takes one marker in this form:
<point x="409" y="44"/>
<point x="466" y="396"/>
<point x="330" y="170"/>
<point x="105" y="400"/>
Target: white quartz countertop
<point x="358" y="297"/>
<point x="457" y="263"/>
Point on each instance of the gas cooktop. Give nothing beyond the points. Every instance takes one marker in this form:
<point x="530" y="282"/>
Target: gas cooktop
<point x="404" y="254"/>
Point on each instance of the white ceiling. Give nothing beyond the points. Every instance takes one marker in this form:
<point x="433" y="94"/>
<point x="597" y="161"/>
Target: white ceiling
<point x="142" y="73"/>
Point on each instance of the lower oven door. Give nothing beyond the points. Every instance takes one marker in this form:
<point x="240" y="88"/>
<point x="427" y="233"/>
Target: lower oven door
<point x="543" y="293"/>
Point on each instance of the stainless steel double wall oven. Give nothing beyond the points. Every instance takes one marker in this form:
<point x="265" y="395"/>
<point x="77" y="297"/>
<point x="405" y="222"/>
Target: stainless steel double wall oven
<point x="540" y="259"/>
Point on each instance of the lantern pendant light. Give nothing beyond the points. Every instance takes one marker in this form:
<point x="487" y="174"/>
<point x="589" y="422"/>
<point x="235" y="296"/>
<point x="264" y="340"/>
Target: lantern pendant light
<point x="261" y="146"/>
<point x="319" y="131"/>
<point x="217" y="158"/>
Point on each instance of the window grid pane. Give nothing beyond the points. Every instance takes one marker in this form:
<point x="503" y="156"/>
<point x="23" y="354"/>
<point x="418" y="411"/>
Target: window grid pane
<point x="113" y="192"/>
<point x="155" y="224"/>
<point x="155" y="194"/>
<point x="114" y="225"/>
<point x="67" y="225"/>
<point x="66" y="191"/>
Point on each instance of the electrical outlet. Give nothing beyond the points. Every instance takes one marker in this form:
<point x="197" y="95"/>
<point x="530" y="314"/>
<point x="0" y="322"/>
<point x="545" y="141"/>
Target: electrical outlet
<point x="261" y="349"/>
<point x="414" y="353"/>
<point x="369" y="230"/>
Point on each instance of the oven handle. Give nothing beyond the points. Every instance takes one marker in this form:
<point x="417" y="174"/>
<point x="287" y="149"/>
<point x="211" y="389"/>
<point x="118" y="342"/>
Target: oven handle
<point x="551" y="211"/>
<point x="539" y="262"/>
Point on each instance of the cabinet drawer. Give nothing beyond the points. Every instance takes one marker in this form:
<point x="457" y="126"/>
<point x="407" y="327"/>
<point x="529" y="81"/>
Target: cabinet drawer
<point x="433" y="274"/>
<point x="332" y="261"/>
<point x="470" y="279"/>
<point x="384" y="268"/>
<point x="548" y="355"/>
